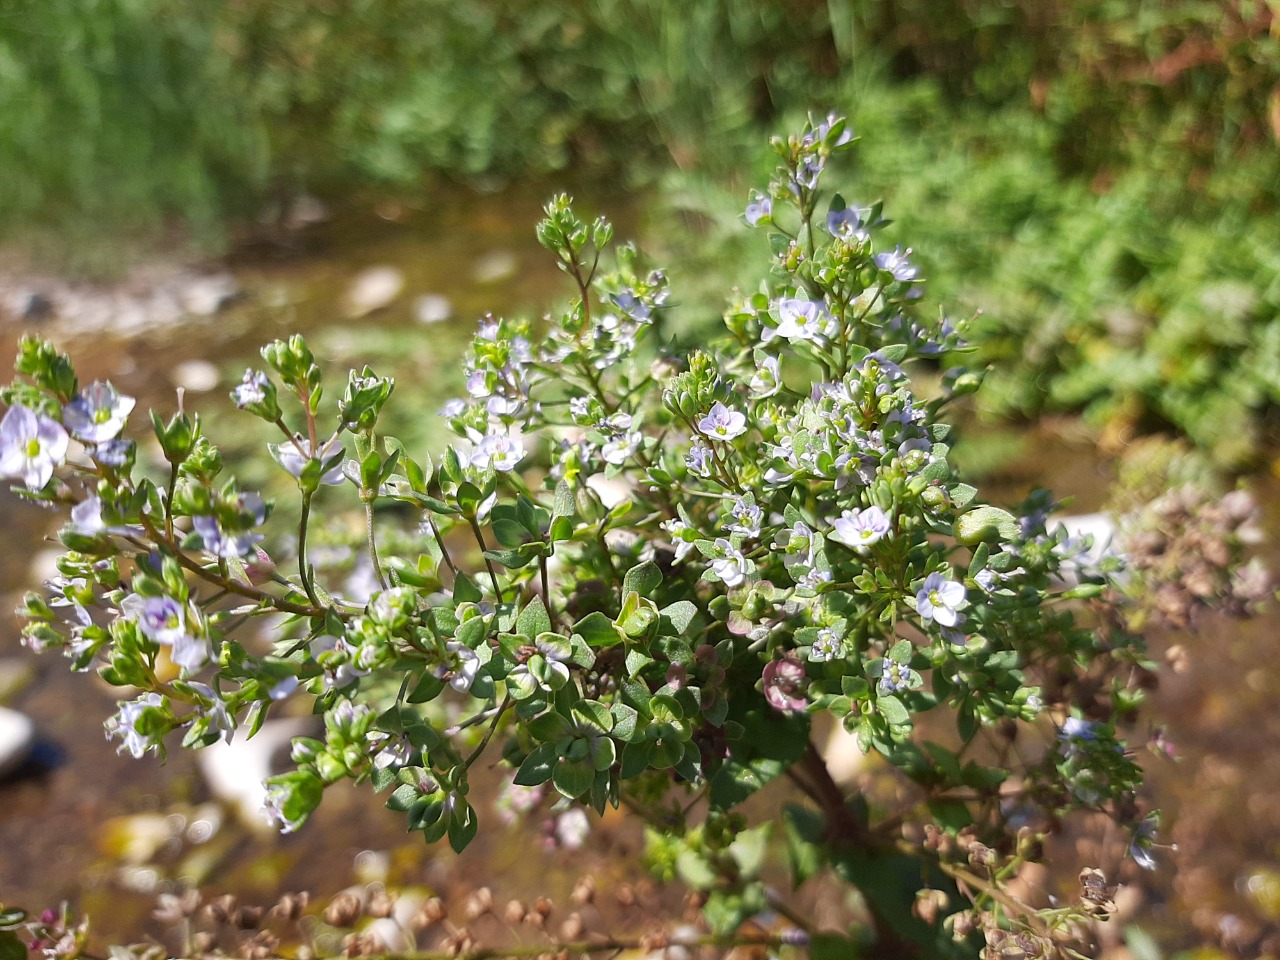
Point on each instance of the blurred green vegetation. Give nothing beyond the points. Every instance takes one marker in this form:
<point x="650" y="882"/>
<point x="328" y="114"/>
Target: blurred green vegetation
<point x="1100" y="177"/>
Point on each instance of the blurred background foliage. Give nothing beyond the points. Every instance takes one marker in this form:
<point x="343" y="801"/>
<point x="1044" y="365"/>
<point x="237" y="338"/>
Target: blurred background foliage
<point x="1098" y="177"/>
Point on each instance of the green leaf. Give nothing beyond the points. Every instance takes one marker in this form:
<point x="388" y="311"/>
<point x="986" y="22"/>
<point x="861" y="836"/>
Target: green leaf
<point x="533" y="619"/>
<point x="11" y="948"/>
<point x="984" y="524"/>
<point x="952" y="815"/>
<point x="900" y="652"/>
<point x="465" y="590"/>
<point x="563" y="505"/>
<point x="536" y="768"/>
<point x="680" y="614"/>
<point x="804" y="831"/>
<point x="462" y="829"/>
<point x="833" y="946"/>
<point x="643" y="579"/>
<point x="573" y="778"/>
<point x="509" y="533"/>
<point x="598" y="630"/>
<point x="892" y="709"/>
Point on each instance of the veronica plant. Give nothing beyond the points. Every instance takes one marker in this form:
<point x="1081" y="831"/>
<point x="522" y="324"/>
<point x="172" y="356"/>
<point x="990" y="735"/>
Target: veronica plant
<point x="645" y="575"/>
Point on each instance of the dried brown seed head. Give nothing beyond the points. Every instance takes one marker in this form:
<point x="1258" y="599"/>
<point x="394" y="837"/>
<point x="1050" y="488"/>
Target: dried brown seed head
<point x="381" y="903"/>
<point x="478" y="904"/>
<point x="247" y="918"/>
<point x="514" y="912"/>
<point x="584" y="892"/>
<point x="343" y="910"/>
<point x="572" y="927"/>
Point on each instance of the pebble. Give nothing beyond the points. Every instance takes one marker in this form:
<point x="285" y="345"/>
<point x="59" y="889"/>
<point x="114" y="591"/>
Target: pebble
<point x="17" y="736"/>
<point x="198" y="376"/>
<point x="235" y="771"/>
<point x="432" y="308"/>
<point x="495" y="266"/>
<point x="203" y="296"/>
<point x="373" y="289"/>
<point x="305" y="211"/>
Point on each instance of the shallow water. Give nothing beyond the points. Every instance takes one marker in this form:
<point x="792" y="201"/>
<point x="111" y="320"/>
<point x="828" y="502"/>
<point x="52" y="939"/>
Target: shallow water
<point x="62" y="832"/>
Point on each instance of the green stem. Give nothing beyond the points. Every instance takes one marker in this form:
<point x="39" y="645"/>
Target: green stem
<point x="373" y="544"/>
<point x="493" y="574"/>
<point x="304" y="571"/>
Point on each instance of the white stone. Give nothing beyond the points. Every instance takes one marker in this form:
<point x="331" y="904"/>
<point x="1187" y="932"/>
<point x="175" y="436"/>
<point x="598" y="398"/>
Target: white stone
<point x="235" y="771"/>
<point x="198" y="376"/>
<point x="373" y="289"/>
<point x="206" y="295"/>
<point x="17" y="734"/>
<point x="495" y="266"/>
<point x="432" y="308"/>
<point x="305" y="211"/>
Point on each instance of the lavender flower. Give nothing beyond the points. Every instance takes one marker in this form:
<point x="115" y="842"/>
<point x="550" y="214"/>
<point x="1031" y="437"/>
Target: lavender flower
<point x="860" y="528"/>
<point x="295" y="455"/>
<point x="895" y="678"/>
<point x="125" y="725"/>
<point x="897" y="265"/>
<point x="760" y="208"/>
<point x="698" y="459"/>
<point x="252" y="389"/>
<point x="498" y="452"/>
<point x="939" y="600"/>
<point x="747" y="517"/>
<point x="723" y="424"/>
<point x="799" y="319"/>
<point x="31" y="446"/>
<point x="767" y="379"/>
<point x="97" y="413"/>
<point x="828" y="646"/>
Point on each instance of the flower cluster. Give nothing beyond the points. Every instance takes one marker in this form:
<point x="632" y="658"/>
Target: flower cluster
<point x="709" y="551"/>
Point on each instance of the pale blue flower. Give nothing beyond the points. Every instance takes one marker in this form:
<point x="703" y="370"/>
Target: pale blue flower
<point x="767" y="379"/>
<point x="759" y="209"/>
<point x="499" y="452"/>
<point x="682" y="536"/>
<point x="828" y="646"/>
<point x="896" y="264"/>
<point x="31" y="446"/>
<point x="113" y="453"/>
<point x="845" y="223"/>
<point x="746" y="517"/>
<point x="295" y="455"/>
<point x="798" y="319"/>
<point x="97" y="413"/>
<point x="860" y="528"/>
<point x="939" y="600"/>
<point x="722" y="423"/>
<point x="125" y="725"/>
<point x="896" y="677"/>
<point x="252" y="389"/>
<point x="698" y="459"/>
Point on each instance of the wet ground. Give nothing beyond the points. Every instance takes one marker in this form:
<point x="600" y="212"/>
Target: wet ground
<point x="107" y="832"/>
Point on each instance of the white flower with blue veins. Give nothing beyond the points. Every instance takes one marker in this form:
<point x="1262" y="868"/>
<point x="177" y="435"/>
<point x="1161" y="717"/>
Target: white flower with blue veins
<point x="729" y="564"/>
<point x="31" y="446"/>
<point x="252" y="389"/>
<point x="295" y="455"/>
<point x="698" y="459"/>
<point x="97" y="413"/>
<point x="125" y="725"/>
<point x="499" y="452"/>
<point x="939" y="600"/>
<point x="722" y="423"/>
<point x="828" y="646"/>
<point x="860" y="528"/>
<point x="767" y="379"/>
<point x="798" y="319"/>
